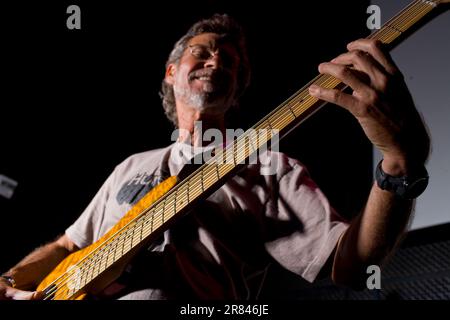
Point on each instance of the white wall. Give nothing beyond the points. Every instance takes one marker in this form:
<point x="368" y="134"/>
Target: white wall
<point x="424" y="59"/>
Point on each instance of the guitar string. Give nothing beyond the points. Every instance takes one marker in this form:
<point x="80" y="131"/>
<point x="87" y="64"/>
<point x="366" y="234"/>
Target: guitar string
<point x="246" y="150"/>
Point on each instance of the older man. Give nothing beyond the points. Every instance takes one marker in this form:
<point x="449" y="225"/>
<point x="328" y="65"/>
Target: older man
<point x="256" y="228"/>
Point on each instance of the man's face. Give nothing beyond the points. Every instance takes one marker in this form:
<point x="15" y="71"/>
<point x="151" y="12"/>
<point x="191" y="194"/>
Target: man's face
<point x="206" y="76"/>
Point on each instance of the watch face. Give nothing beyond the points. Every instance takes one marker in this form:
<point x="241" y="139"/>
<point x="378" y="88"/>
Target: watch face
<point x="415" y="188"/>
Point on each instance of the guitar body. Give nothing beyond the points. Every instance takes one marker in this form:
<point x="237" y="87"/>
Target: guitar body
<point x="55" y="279"/>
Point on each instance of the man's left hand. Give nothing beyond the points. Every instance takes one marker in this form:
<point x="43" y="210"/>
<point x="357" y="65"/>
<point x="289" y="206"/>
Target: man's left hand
<point x="380" y="102"/>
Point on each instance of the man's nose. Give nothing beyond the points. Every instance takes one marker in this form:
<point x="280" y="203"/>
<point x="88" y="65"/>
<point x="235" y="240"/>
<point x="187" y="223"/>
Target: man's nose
<point x="214" y="61"/>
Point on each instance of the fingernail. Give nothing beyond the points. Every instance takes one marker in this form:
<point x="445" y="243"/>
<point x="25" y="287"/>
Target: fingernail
<point x="320" y="67"/>
<point x="314" y="89"/>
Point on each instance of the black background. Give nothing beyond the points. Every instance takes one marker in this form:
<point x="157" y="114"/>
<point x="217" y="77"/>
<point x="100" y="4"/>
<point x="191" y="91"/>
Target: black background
<point x="74" y="103"/>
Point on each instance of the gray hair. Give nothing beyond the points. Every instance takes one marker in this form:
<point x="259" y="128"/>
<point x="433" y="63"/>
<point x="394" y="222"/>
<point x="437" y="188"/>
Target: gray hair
<point x="221" y="24"/>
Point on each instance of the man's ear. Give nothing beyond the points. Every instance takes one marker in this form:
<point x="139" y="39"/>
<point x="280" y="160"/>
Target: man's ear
<point x="170" y="73"/>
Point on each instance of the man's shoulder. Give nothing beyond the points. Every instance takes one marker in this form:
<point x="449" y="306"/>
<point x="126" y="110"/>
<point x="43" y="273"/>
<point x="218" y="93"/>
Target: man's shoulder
<point x="146" y="159"/>
<point x="147" y="155"/>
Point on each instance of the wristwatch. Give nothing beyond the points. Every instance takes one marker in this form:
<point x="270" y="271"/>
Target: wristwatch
<point x="10" y="280"/>
<point x="405" y="187"/>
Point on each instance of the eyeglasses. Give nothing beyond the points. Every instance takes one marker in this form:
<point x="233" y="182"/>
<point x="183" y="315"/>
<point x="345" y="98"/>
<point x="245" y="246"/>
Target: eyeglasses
<point x="204" y="53"/>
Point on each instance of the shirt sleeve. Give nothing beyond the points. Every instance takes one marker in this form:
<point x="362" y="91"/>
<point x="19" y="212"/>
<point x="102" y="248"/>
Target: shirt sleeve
<point x="319" y="227"/>
<point x="85" y="230"/>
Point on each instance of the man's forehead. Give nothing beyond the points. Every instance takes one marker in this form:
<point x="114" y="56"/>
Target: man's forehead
<point x="211" y="39"/>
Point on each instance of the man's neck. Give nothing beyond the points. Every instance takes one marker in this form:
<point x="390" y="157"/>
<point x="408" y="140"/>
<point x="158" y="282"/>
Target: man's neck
<point x="193" y="123"/>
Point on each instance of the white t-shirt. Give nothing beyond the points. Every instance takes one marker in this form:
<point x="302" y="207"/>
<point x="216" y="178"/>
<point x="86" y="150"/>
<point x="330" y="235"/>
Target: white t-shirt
<point x="227" y="247"/>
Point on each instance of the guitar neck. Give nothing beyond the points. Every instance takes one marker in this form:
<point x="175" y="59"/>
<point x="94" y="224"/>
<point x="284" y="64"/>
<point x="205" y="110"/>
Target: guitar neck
<point x="301" y="104"/>
<point x="152" y="221"/>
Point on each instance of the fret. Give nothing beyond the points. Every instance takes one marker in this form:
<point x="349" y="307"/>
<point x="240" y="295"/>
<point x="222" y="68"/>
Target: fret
<point x="218" y="156"/>
<point x="133" y="230"/>
<point x="306" y="104"/>
<point x="81" y="280"/>
<point x="228" y="155"/>
<point x="396" y="30"/>
<point x="163" y="210"/>
<point x="142" y="227"/>
<point x="243" y="146"/>
<point x="174" y="205"/>
<point x="149" y="221"/>
<point x="98" y="264"/>
<point x="104" y="263"/>
<point x="158" y="221"/>
<point x="208" y="179"/>
<point x="258" y="131"/>
<point x="128" y="243"/>
<point x="112" y="248"/>
<point x="110" y="259"/>
<point x="101" y="264"/>
<point x="97" y="261"/>
<point x="292" y="111"/>
<point x="180" y="198"/>
<point x="194" y="190"/>
<point x="217" y="170"/>
<point x="91" y="271"/>
<point x="225" y="168"/>
<point x="122" y="246"/>
<point x="196" y="186"/>
<point x="85" y="270"/>
<point x="115" y="250"/>
<point x="137" y="236"/>
<point x="184" y="195"/>
<point x="253" y="142"/>
<point x="169" y="209"/>
<point x="241" y="153"/>
<point x="188" y="190"/>
<point x="234" y="147"/>
<point x="275" y="120"/>
<point x="125" y="241"/>
<point x="158" y="212"/>
<point x="89" y="267"/>
<point x="269" y="125"/>
<point x="201" y="179"/>
<point x="282" y="118"/>
<point x="159" y="208"/>
<point x="175" y="200"/>
<point x="120" y="242"/>
<point x="101" y="258"/>
<point x="261" y="137"/>
<point x="146" y="223"/>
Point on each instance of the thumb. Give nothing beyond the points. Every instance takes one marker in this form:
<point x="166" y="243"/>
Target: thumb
<point x="16" y="294"/>
<point x="37" y="295"/>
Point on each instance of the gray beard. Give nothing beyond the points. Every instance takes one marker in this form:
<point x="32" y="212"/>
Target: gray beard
<point x="199" y="100"/>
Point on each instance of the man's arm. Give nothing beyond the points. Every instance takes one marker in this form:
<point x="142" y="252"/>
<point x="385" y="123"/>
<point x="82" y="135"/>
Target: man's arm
<point x="30" y="271"/>
<point x="382" y="104"/>
<point x="371" y="237"/>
